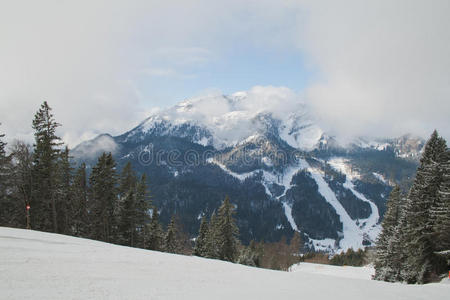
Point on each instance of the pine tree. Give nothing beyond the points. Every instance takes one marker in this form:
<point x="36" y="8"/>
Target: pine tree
<point x="5" y="185"/>
<point x="227" y="232"/>
<point x="212" y="238"/>
<point x="386" y="250"/>
<point x="127" y="225"/>
<point x="103" y="200"/>
<point x="154" y="233"/>
<point x="441" y="210"/>
<point x="142" y="217"/>
<point x="80" y="214"/>
<point x="46" y="153"/>
<point x="419" y="222"/>
<point x="22" y="182"/>
<point x="127" y="180"/>
<point x="63" y="193"/>
<point x="171" y="243"/>
<point x="201" y="241"/>
<point x="126" y="206"/>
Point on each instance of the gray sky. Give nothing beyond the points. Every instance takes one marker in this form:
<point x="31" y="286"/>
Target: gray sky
<point x="365" y="68"/>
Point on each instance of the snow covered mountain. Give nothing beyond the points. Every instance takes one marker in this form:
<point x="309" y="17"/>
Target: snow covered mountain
<point x="264" y="150"/>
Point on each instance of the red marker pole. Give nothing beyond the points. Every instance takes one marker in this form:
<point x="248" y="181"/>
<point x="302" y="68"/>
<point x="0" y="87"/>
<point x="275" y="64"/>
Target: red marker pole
<point x="28" y="216"/>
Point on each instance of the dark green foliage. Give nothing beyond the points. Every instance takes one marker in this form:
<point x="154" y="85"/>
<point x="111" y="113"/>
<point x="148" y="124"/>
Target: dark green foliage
<point x="126" y="207"/>
<point x="103" y="199"/>
<point x="387" y="263"/>
<point x="63" y="193"/>
<point x="413" y="232"/>
<point x="127" y="181"/>
<point x="311" y="211"/>
<point x="385" y="162"/>
<point x="227" y="232"/>
<point x="201" y="240"/>
<point x="420" y="259"/>
<point x="356" y="208"/>
<point x="80" y="215"/>
<point x="22" y="183"/>
<point x="171" y="242"/>
<point x="441" y="209"/>
<point x="6" y="201"/>
<point x="142" y="207"/>
<point x="154" y="234"/>
<point x="45" y="156"/>
<point x="212" y="238"/>
<point x="132" y="208"/>
<point x="219" y="238"/>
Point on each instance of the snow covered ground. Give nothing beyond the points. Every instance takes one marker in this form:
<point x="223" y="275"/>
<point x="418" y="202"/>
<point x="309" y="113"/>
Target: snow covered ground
<point x="36" y="265"/>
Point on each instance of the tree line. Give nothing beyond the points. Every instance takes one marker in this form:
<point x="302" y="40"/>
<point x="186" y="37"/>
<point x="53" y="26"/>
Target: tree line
<point x="42" y="190"/>
<point x="414" y="245"/>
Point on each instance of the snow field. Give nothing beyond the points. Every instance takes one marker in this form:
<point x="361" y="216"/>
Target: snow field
<point x="37" y="265"/>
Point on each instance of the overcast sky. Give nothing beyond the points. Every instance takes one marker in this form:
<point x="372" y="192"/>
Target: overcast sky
<point x="379" y="68"/>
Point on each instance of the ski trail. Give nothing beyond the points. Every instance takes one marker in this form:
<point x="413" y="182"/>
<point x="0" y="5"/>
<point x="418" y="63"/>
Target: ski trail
<point x="285" y="181"/>
<point x="370" y="224"/>
<point x="290" y="218"/>
<point x="352" y="235"/>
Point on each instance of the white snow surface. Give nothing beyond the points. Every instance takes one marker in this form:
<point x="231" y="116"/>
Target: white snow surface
<point x="290" y="218"/>
<point x="365" y="272"/>
<point x="37" y="265"/>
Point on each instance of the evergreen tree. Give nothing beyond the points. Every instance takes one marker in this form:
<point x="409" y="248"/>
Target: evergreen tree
<point x="212" y="238"/>
<point x="441" y="210"/>
<point x="227" y="232"/>
<point x="80" y="221"/>
<point x="63" y="193"/>
<point x="103" y="182"/>
<point x="133" y="208"/>
<point x="154" y="234"/>
<point x="142" y="205"/>
<point x="5" y="185"/>
<point x="419" y="222"/>
<point x="386" y="252"/>
<point x="201" y="241"/>
<point x="46" y="153"/>
<point x="21" y="182"/>
<point x="126" y="206"/>
<point x="127" y="180"/>
<point x="127" y="225"/>
<point x="171" y="243"/>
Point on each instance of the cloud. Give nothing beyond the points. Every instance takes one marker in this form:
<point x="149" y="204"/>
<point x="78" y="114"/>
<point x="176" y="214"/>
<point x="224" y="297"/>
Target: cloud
<point x="380" y="67"/>
<point x="167" y="72"/>
<point x="383" y="66"/>
<point x="89" y="59"/>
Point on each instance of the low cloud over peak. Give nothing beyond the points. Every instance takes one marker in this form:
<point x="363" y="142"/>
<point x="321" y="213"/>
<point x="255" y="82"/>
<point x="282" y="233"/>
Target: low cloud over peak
<point x="365" y="68"/>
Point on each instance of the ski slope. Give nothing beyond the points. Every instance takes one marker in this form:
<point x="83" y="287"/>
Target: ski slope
<point x="36" y="265"/>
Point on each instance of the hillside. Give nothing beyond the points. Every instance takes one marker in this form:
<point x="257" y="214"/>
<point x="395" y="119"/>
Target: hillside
<point x="281" y="170"/>
<point x="36" y="265"/>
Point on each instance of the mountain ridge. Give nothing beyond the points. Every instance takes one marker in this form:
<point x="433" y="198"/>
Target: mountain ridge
<point x="200" y="150"/>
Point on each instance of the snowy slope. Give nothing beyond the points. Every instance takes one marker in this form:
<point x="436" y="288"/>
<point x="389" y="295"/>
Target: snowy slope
<point x="36" y="265"/>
